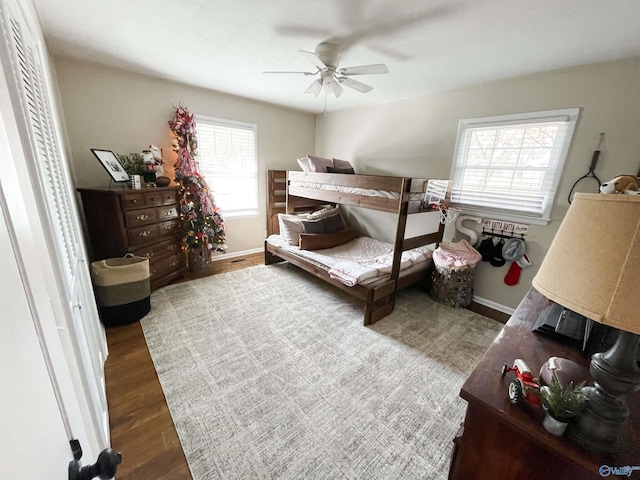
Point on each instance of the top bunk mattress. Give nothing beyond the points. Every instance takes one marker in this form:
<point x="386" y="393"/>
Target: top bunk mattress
<point x="363" y="261"/>
<point x="422" y="192"/>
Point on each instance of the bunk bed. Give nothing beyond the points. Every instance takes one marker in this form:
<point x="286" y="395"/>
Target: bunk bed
<point x="294" y="192"/>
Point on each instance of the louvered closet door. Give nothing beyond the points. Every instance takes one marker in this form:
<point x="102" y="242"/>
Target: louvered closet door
<point x="56" y="204"/>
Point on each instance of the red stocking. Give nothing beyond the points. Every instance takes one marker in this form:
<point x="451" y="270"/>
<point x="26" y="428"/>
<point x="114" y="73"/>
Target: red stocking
<point x="513" y="275"/>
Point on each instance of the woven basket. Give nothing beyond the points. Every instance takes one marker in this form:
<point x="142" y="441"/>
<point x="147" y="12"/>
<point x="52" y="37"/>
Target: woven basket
<point x="199" y="260"/>
<point x="452" y="288"/>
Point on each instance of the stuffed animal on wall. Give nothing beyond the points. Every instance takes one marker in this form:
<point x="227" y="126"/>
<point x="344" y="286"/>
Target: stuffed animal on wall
<point x="622" y="184"/>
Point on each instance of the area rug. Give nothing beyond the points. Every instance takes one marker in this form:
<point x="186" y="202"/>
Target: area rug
<point x="270" y="374"/>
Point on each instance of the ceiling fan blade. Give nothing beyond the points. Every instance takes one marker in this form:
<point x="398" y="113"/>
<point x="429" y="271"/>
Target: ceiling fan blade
<point x="364" y="69"/>
<point x="314" y="59"/>
<point x="351" y="83"/>
<point x="315" y="87"/>
<point x="297" y="73"/>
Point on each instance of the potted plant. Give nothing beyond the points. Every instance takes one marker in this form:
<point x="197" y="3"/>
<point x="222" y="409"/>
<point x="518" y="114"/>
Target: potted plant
<point x="133" y="163"/>
<point x="561" y="404"/>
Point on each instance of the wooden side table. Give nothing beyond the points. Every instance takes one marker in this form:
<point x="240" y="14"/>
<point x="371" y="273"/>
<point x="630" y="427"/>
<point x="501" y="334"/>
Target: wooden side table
<point x="504" y="441"/>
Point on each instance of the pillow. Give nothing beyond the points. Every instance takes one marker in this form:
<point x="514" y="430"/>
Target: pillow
<point x="291" y="227"/>
<point x="325" y="212"/>
<point x="319" y="164"/>
<point x="340" y="170"/>
<point x="319" y="241"/>
<point x="313" y="226"/>
<point x="304" y="164"/>
<point x="333" y="223"/>
<point x="341" y="163"/>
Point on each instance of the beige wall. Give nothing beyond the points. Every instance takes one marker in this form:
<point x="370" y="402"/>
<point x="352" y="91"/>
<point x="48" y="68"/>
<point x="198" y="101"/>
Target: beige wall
<point x="416" y="137"/>
<point x="124" y="112"/>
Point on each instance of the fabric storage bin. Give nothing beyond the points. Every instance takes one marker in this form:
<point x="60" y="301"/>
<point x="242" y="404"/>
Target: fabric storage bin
<point x="452" y="287"/>
<point x="122" y="289"/>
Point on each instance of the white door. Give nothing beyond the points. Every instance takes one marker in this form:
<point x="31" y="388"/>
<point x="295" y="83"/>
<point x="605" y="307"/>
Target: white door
<point x="31" y="420"/>
<point x="42" y="211"/>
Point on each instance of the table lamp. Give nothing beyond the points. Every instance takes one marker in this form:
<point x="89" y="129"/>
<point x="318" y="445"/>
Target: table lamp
<point x="593" y="268"/>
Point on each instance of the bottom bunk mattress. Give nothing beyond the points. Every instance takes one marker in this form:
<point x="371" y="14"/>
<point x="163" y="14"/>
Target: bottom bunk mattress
<point x="363" y="261"/>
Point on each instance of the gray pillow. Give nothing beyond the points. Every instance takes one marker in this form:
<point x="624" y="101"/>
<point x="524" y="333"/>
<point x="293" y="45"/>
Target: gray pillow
<point x="340" y="170"/>
<point x="315" y="226"/>
<point x="333" y="224"/>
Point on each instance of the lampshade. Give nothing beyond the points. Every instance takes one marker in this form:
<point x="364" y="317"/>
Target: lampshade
<point x="593" y="264"/>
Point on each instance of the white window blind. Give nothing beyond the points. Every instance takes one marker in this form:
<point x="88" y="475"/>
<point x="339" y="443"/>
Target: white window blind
<point x="511" y="165"/>
<point x="229" y="163"/>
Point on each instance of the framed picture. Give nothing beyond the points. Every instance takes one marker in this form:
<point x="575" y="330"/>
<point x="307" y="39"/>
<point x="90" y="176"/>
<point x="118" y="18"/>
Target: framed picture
<point x="111" y="164"/>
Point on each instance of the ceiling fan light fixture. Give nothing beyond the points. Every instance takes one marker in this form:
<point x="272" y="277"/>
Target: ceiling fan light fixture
<point x="315" y="87"/>
<point x="325" y="59"/>
<point x="331" y="86"/>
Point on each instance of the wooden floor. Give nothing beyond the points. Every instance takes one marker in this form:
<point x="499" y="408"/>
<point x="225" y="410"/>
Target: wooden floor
<point x="141" y="426"/>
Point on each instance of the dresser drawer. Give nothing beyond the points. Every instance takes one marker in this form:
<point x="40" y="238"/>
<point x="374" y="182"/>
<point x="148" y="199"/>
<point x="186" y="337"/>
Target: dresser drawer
<point x="131" y="201"/>
<point x="169" y="229"/>
<point x="166" y="265"/>
<point x="142" y="235"/>
<point x="167" y="213"/>
<point x="135" y="218"/>
<point x="169" y="198"/>
<point x="153" y="199"/>
<point x="159" y="250"/>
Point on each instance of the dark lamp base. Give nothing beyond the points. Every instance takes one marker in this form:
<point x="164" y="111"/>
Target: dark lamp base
<point x="601" y="427"/>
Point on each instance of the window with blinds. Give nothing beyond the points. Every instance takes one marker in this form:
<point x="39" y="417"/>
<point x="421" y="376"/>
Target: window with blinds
<point x="228" y="160"/>
<point x="511" y="165"/>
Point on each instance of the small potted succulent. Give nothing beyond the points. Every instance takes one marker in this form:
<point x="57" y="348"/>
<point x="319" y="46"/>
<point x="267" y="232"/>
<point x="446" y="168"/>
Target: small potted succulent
<point x="561" y="404"/>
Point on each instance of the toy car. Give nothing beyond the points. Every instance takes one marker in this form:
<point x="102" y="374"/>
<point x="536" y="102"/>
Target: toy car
<point x="525" y="386"/>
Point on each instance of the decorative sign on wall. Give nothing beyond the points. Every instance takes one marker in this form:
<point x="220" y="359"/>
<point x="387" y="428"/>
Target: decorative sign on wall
<point x="500" y="226"/>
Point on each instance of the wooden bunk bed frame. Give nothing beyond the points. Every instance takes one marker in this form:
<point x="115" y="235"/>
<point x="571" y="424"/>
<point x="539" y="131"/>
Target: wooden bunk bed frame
<point x="379" y="300"/>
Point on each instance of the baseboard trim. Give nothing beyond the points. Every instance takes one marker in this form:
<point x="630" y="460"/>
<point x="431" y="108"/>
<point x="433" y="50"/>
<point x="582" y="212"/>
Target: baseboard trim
<point x="244" y="253"/>
<point x="493" y="305"/>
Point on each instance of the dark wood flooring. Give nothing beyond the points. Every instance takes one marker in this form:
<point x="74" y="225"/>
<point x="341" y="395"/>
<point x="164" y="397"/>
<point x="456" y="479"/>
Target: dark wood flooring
<point x="141" y="426"/>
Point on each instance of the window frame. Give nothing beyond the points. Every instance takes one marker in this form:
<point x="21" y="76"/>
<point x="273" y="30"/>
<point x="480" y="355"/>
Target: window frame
<point x="568" y="115"/>
<point x="223" y="122"/>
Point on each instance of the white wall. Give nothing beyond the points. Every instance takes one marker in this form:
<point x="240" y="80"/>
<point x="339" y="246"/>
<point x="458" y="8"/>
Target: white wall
<point x="416" y="137"/>
<point x="124" y="112"/>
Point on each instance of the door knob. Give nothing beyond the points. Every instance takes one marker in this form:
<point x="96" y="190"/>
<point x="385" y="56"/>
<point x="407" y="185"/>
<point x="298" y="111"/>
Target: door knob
<point x="105" y="468"/>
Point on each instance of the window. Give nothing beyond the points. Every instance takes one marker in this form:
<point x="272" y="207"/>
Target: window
<point x="228" y="160"/>
<point x="510" y="165"/>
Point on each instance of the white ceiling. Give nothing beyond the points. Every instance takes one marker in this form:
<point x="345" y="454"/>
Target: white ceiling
<point x="430" y="46"/>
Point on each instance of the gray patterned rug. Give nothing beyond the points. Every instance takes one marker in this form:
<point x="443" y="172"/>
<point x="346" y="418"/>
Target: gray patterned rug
<point x="269" y="373"/>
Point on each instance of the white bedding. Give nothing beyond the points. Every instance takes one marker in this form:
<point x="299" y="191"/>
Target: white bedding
<point x="363" y="261"/>
<point x="417" y="191"/>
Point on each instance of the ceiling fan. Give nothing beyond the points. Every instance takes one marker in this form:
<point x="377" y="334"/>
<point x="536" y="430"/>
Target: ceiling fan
<point x="326" y="58"/>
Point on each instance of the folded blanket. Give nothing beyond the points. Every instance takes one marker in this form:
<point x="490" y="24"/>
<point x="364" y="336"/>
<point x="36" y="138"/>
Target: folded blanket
<point x="366" y="271"/>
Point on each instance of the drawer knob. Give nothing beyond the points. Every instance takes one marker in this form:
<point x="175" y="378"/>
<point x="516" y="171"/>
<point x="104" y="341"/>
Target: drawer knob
<point x="169" y="227"/>
<point x="166" y="214"/>
<point x="142" y="217"/>
<point x="148" y="254"/>
<point x="144" y="233"/>
<point x="173" y="264"/>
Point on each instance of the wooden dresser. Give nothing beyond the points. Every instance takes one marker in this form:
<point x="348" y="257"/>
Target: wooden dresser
<point x="507" y="442"/>
<point x="143" y="222"/>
